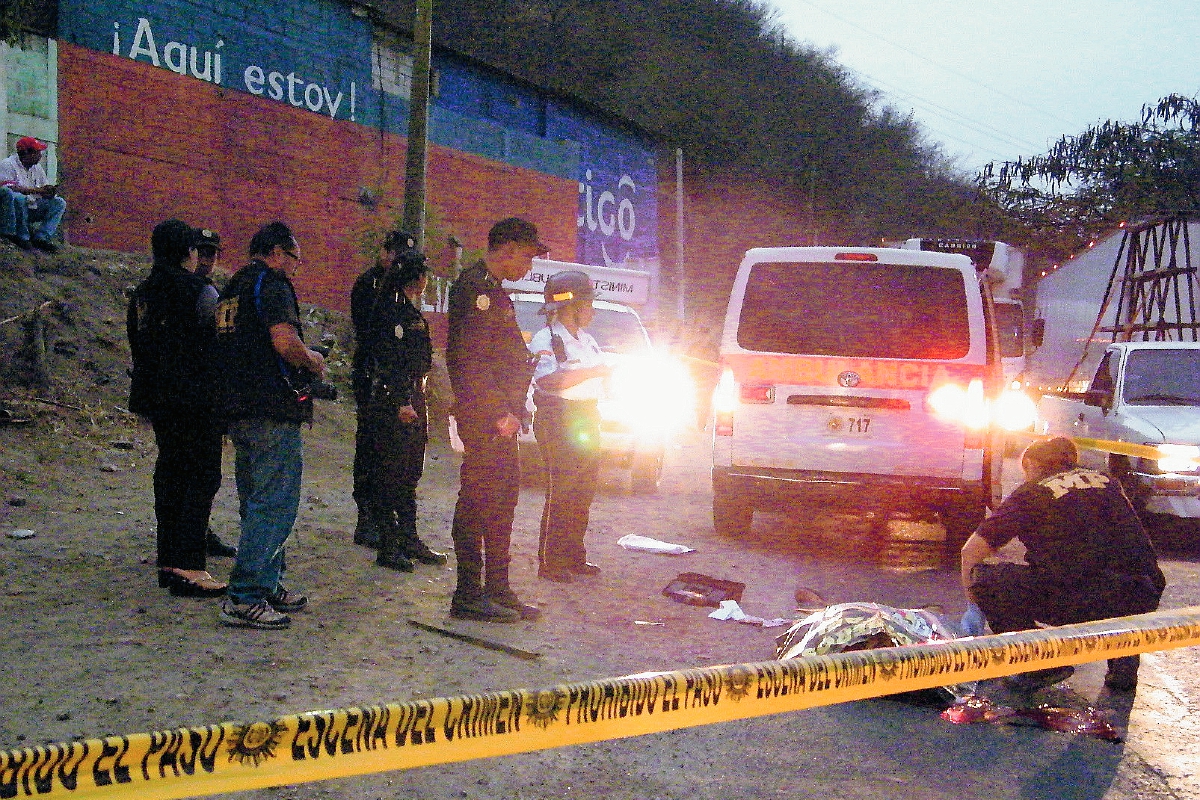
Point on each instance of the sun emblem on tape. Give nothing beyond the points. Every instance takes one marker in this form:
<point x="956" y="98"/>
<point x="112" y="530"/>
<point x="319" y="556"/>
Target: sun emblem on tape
<point x="255" y="742"/>
<point x="849" y="379"/>
<point x="737" y="682"/>
<point x="834" y="424"/>
<point x="483" y="302"/>
<point x="546" y="705"/>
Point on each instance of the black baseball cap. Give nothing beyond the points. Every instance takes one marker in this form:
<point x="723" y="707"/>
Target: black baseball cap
<point x="203" y="237"/>
<point x="515" y="229"/>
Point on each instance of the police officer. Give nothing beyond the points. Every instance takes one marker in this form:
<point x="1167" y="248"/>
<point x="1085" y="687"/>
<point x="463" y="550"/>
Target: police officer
<point x="489" y="370"/>
<point x="568" y="381"/>
<point x="362" y="297"/>
<point x="170" y="339"/>
<point x="1088" y="557"/>
<point x="208" y="250"/>
<point x="393" y="359"/>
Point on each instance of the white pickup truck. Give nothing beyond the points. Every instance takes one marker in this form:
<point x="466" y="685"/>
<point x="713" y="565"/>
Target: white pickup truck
<point x="1140" y="419"/>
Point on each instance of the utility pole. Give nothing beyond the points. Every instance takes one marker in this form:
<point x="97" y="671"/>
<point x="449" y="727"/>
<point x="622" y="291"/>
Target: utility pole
<point x="418" y="123"/>
<point x="680" y="307"/>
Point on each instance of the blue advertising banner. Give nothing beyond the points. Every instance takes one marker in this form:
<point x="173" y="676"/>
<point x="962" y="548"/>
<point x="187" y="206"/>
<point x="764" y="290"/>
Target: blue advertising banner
<point x="618" y="187"/>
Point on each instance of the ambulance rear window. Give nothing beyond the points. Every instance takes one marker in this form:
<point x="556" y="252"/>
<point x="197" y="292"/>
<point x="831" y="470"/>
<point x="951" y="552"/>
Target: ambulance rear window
<point x="859" y="310"/>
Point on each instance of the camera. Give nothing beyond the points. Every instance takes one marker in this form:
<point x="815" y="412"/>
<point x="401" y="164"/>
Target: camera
<point x="312" y="387"/>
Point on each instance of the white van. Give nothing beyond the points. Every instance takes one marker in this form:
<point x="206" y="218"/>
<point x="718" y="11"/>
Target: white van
<point x="857" y="377"/>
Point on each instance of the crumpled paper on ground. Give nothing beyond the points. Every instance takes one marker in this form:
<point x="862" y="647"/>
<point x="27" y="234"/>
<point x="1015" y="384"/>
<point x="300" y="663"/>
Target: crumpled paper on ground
<point x="729" y="609"/>
<point x="631" y="541"/>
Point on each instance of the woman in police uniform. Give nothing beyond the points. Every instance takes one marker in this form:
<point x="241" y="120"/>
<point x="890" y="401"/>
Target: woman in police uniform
<point x="568" y="381"/>
<point x="396" y="360"/>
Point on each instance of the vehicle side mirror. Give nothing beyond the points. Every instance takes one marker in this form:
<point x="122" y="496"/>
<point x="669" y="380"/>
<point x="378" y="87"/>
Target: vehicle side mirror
<point x="1098" y="398"/>
<point x="1037" y="332"/>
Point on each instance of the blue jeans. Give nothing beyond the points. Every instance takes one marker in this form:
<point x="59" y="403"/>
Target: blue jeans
<point x="15" y="215"/>
<point x="267" y="467"/>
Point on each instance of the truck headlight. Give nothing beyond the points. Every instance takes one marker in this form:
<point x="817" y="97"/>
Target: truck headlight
<point x="1178" y="458"/>
<point x="650" y="394"/>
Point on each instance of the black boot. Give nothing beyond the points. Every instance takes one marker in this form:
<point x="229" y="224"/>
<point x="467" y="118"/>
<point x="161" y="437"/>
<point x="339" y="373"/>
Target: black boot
<point x="391" y="552"/>
<point x="420" y="552"/>
<point x="365" y="532"/>
<point x="499" y="592"/>
<point x="469" y="601"/>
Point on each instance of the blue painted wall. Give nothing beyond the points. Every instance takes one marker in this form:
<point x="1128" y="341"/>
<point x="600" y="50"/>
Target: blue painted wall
<point x="315" y="55"/>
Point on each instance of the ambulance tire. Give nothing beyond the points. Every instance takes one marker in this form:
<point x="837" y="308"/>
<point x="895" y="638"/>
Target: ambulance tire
<point x="732" y="514"/>
<point x="645" y="473"/>
<point x="960" y="521"/>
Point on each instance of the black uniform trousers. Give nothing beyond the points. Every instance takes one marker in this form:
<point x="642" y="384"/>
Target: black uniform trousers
<point x="1014" y="597"/>
<point x="187" y="475"/>
<point x="392" y="461"/>
<point x="489" y="488"/>
<point x="568" y="436"/>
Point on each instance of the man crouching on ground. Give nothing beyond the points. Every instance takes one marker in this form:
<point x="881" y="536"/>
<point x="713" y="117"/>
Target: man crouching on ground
<point x="263" y="366"/>
<point x="1088" y="558"/>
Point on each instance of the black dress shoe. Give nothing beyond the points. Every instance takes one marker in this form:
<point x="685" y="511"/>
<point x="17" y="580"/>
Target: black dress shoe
<point x="44" y="245"/>
<point x="553" y="574"/>
<point x="218" y="549"/>
<point x="586" y="568"/>
<point x="20" y="244"/>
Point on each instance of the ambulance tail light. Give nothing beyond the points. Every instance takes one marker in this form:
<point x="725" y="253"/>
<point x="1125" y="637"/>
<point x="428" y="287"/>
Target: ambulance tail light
<point x="966" y="406"/>
<point x="757" y="393"/>
<point x="725" y="398"/>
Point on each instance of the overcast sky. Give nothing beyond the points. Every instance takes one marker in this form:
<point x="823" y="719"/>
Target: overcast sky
<point x="993" y="81"/>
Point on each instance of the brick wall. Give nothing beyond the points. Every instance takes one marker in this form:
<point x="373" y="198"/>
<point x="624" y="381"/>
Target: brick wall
<point x="140" y="144"/>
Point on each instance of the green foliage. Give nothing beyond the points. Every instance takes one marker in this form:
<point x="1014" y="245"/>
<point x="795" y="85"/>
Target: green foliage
<point x="746" y="102"/>
<point x="1114" y="171"/>
<point x="15" y="16"/>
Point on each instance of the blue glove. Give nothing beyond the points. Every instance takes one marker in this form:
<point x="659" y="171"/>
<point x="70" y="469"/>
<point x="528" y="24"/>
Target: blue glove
<point x="973" y="622"/>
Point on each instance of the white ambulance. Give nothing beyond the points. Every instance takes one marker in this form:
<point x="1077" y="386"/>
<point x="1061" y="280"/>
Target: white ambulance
<point x="863" y="378"/>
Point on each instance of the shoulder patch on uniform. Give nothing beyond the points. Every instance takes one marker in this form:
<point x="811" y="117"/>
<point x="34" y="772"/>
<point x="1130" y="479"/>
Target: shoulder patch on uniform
<point x="399" y="331"/>
<point x="483" y="302"/>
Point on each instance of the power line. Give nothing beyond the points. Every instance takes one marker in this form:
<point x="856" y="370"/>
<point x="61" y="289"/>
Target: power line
<point x="942" y="67"/>
<point x="962" y="119"/>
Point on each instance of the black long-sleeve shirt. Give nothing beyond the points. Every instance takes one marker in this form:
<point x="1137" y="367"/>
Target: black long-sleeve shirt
<point x="486" y="355"/>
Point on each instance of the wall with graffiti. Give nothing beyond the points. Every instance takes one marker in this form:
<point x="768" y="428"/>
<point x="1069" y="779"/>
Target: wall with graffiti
<point x="228" y="114"/>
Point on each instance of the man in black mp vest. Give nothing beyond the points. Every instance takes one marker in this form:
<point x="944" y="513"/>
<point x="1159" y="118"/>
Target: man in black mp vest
<point x="266" y="371"/>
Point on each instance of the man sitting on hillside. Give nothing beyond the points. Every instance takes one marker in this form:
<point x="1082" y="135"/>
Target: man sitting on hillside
<point x="26" y="195"/>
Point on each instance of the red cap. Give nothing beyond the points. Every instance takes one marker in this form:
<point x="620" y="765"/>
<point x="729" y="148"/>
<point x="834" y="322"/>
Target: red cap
<point x="30" y="143"/>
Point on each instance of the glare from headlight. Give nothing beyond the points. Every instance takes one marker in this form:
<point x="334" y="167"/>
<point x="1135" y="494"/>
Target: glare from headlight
<point x="1014" y="410"/>
<point x="651" y="394"/>
<point x="1178" y="458"/>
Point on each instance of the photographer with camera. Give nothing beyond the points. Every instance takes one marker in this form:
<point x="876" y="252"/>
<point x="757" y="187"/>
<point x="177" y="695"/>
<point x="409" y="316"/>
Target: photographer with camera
<point x="393" y="358"/>
<point x="266" y="379"/>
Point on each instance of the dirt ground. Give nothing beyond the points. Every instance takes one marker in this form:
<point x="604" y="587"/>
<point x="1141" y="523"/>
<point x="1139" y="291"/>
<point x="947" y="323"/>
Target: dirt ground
<point x="96" y="648"/>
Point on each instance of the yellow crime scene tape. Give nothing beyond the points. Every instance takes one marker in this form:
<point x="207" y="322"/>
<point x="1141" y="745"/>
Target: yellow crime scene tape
<point x="1118" y="448"/>
<point x="321" y="745"/>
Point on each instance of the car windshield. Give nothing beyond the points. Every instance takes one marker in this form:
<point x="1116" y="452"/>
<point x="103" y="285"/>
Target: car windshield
<point x="1163" y="377"/>
<point x="855" y="309"/>
<point x="615" y="331"/>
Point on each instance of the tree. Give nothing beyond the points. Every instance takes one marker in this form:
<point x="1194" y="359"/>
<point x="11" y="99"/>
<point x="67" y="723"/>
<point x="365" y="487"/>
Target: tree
<point x="1086" y="184"/>
<point x="15" y="18"/>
